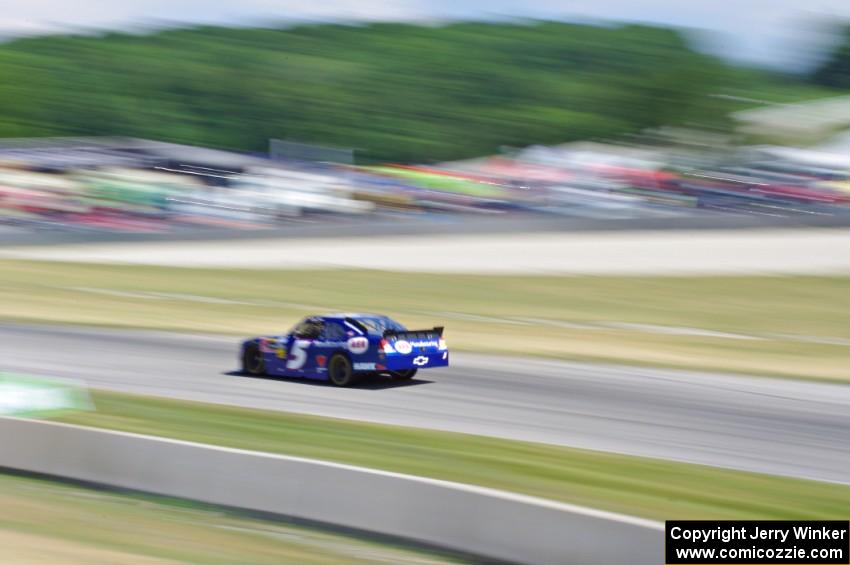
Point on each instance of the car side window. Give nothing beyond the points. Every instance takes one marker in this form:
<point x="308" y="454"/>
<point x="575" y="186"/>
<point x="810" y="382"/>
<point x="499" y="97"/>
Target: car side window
<point x="334" y="332"/>
<point x="308" y="329"/>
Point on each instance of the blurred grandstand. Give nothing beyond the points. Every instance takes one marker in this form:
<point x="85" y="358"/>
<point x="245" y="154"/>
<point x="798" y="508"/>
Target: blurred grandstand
<point x="133" y="185"/>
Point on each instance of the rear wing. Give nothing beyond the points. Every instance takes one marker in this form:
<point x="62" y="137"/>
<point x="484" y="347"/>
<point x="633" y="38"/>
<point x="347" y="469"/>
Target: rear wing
<point x="416" y="334"/>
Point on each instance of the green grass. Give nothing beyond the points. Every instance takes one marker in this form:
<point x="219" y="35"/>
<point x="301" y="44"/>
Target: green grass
<point x="49" y="522"/>
<point x="47" y="292"/>
<point x="632" y="485"/>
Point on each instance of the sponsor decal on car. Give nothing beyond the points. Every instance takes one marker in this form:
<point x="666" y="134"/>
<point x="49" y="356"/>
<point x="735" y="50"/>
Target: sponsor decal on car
<point x="267" y="345"/>
<point x="403" y="347"/>
<point x="425" y="343"/>
<point x="420" y="360"/>
<point x="281" y="352"/>
<point x="321" y="360"/>
<point x="358" y="345"/>
<point x="364" y="366"/>
<point x="328" y="344"/>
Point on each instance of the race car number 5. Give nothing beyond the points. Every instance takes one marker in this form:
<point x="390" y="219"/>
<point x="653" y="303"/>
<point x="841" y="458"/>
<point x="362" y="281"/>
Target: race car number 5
<point x="298" y="355"/>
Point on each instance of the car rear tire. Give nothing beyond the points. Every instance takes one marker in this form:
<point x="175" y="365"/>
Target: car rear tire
<point x="340" y="371"/>
<point x="252" y="361"/>
<point x="403" y="375"/>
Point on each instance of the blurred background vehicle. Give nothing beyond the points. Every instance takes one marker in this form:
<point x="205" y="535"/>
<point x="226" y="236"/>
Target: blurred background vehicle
<point x="161" y="194"/>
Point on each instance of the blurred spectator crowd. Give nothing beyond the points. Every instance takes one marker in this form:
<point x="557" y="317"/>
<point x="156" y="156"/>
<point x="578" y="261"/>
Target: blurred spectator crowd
<point x="144" y="186"/>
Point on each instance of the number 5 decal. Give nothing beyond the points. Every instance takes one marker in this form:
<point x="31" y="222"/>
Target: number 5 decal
<point x="298" y="355"/>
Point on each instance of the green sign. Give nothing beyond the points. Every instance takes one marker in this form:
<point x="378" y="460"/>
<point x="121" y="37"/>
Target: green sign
<point x="39" y="397"/>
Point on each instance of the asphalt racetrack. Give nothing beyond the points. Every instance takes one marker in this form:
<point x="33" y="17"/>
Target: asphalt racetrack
<point x="769" y="425"/>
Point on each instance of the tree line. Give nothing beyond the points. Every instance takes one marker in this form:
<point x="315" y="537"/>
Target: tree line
<point x="393" y="92"/>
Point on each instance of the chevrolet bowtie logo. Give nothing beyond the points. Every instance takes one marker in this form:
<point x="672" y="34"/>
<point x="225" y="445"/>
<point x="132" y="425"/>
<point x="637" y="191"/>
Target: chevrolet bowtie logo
<point x="421" y="360"/>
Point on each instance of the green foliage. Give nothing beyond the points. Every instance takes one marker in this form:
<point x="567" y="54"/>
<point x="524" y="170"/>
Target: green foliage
<point x="835" y="71"/>
<point x="393" y="91"/>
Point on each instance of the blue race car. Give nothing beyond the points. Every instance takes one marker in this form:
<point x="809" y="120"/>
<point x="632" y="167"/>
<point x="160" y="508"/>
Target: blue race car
<point x="341" y="348"/>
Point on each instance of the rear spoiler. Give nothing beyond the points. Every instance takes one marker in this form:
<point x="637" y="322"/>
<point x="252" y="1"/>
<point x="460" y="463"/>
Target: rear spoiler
<point x="435" y="330"/>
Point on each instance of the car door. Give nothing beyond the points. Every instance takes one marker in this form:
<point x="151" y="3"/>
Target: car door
<point x="300" y="359"/>
<point x="332" y="339"/>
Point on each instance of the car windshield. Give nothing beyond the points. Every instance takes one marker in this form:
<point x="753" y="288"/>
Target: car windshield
<point x="380" y="325"/>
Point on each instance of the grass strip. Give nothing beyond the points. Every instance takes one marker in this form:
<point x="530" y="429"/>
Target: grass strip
<point x="481" y="313"/>
<point x="637" y="486"/>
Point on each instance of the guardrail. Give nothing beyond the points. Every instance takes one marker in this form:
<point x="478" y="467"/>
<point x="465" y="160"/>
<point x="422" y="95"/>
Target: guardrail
<point x="475" y="520"/>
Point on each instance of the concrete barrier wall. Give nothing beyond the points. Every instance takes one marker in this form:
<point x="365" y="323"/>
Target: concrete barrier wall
<point x="466" y="518"/>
